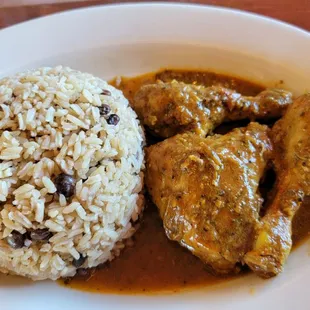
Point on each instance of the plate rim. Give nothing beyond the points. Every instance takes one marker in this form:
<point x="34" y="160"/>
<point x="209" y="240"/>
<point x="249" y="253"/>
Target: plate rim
<point x="296" y="31"/>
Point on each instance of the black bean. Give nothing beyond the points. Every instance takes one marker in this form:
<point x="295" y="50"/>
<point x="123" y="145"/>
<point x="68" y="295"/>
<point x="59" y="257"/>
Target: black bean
<point x="106" y="92"/>
<point x="41" y="234"/>
<point x="79" y="262"/>
<point x="104" y="109"/>
<point x="67" y="281"/>
<point x="83" y="273"/>
<point x="16" y="240"/>
<point x="65" y="184"/>
<point x="113" y="119"/>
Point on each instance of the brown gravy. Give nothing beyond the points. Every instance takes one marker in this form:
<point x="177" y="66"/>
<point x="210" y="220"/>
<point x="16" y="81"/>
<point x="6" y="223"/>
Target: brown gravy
<point x="153" y="263"/>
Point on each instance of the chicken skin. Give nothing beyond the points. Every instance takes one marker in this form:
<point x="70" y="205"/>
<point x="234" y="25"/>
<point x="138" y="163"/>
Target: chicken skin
<point x="175" y="107"/>
<point x="291" y="136"/>
<point x="206" y="190"/>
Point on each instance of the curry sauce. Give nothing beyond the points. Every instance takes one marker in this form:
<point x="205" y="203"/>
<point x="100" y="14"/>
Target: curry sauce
<point x="152" y="263"/>
<point x="129" y="86"/>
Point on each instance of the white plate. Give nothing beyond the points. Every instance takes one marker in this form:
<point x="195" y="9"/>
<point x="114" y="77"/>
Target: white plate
<point x="131" y="39"/>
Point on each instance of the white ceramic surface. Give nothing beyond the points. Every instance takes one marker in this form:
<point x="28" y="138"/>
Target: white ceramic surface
<point x="131" y="39"/>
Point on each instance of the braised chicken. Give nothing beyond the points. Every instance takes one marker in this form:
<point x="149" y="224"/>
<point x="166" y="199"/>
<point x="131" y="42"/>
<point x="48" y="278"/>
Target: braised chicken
<point x="206" y="190"/>
<point x="174" y="107"/>
<point x="291" y="136"/>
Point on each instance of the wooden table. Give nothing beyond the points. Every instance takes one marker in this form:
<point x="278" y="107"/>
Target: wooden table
<point x="296" y="12"/>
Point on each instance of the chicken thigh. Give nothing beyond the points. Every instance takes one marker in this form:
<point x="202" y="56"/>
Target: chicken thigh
<point x="206" y="190"/>
<point x="175" y="107"/>
<point x="291" y="136"/>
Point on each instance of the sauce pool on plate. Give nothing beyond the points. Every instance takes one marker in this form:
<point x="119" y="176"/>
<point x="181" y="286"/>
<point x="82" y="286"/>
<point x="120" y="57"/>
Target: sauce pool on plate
<point x="151" y="264"/>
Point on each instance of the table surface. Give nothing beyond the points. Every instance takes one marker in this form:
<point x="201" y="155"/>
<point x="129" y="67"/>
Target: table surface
<point x="296" y="12"/>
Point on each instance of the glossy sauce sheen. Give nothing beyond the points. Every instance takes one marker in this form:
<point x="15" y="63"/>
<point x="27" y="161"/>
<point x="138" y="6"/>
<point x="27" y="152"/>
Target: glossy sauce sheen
<point x="153" y="263"/>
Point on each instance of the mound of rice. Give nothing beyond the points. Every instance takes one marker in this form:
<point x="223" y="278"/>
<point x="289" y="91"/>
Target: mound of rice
<point x="71" y="161"/>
